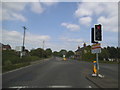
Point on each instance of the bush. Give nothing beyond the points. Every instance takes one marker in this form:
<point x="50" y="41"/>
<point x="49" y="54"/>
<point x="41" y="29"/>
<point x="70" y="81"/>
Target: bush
<point x="10" y="55"/>
<point x="14" y="66"/>
<point x="29" y="58"/>
<point x="8" y="62"/>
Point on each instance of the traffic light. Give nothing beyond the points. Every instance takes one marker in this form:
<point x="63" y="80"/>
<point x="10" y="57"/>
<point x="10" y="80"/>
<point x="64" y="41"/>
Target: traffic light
<point x="98" y="32"/>
<point x="92" y="36"/>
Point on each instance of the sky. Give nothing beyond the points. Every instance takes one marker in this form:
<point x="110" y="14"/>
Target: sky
<point x="61" y="25"/>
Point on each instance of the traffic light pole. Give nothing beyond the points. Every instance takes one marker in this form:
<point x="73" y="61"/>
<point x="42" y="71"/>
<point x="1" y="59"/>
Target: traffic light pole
<point x="97" y="64"/>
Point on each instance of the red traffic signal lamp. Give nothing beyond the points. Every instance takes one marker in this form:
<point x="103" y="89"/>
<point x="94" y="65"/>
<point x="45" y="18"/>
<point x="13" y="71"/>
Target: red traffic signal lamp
<point x="98" y="32"/>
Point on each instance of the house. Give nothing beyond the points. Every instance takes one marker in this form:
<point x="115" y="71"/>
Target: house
<point x="80" y="51"/>
<point x="6" y="47"/>
<point x="0" y="46"/>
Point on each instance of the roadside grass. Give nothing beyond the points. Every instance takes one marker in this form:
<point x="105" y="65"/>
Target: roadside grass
<point x="101" y="61"/>
<point x="109" y="62"/>
<point x="14" y="66"/>
<point x="25" y="61"/>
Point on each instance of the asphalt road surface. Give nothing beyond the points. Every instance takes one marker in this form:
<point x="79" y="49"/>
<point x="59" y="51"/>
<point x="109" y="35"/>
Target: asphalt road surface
<point x="55" y="73"/>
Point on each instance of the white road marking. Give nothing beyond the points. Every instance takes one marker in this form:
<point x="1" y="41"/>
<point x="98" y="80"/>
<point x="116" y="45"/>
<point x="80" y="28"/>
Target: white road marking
<point x="19" y="87"/>
<point x="55" y="86"/>
<point x="89" y="86"/>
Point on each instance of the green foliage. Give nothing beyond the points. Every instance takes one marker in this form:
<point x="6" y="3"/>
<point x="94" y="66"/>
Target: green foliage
<point x="39" y="52"/>
<point x="14" y="66"/>
<point x="113" y="52"/>
<point x="29" y="58"/>
<point x="104" y="54"/>
<point x="70" y="53"/>
<point x="109" y="52"/>
<point x="11" y="56"/>
<point x="87" y="55"/>
<point x="55" y="53"/>
<point x="8" y="62"/>
<point x="48" y="52"/>
<point x="62" y="52"/>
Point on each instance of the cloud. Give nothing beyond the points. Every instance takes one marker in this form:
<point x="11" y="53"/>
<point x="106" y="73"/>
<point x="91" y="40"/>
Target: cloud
<point x="85" y="21"/>
<point x="109" y="24"/>
<point x="36" y="7"/>
<point x="11" y="11"/>
<point x="93" y="8"/>
<point x="71" y="27"/>
<point x="78" y="40"/>
<point x="15" y="38"/>
<point x="82" y="12"/>
<point x="49" y="2"/>
<point x="105" y="13"/>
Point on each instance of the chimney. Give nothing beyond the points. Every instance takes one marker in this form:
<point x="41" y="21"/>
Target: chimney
<point x="84" y="45"/>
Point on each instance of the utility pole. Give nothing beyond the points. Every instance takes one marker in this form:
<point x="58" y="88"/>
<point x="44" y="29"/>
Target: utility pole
<point x="24" y="36"/>
<point x="23" y="47"/>
<point x="97" y="64"/>
<point x="43" y="44"/>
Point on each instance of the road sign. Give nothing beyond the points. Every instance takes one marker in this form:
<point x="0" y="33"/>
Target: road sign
<point x="18" y="48"/>
<point x="96" y="48"/>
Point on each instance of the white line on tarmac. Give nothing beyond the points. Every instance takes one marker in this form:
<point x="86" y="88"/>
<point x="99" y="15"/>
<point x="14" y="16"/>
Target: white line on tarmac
<point x="89" y="86"/>
<point x="56" y="86"/>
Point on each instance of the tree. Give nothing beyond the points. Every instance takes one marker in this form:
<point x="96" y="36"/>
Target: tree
<point x="112" y="51"/>
<point x="55" y="53"/>
<point x="86" y="54"/>
<point x="48" y="52"/>
<point x="70" y="53"/>
<point x="38" y="52"/>
<point x="104" y="54"/>
<point x="62" y="52"/>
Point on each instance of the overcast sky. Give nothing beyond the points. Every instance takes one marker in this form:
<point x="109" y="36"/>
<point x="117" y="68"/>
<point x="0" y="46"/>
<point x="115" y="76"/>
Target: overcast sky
<point x="62" y="25"/>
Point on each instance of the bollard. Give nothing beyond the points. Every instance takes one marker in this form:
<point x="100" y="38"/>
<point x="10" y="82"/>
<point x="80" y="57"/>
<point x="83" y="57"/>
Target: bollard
<point x="64" y="59"/>
<point x="94" y="68"/>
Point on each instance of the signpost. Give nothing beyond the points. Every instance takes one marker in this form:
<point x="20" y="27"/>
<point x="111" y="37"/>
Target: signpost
<point x="96" y="48"/>
<point x="96" y="35"/>
<point x="18" y="48"/>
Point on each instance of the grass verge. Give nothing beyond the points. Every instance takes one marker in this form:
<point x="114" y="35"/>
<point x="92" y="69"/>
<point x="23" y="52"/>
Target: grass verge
<point x="14" y="66"/>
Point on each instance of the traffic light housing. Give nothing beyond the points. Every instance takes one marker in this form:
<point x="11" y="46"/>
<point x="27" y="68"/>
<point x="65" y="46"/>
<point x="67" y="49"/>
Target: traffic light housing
<point x="98" y="32"/>
<point x="93" y="36"/>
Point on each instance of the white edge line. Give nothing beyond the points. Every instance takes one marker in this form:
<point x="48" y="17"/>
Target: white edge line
<point x="59" y="86"/>
<point x="90" y="86"/>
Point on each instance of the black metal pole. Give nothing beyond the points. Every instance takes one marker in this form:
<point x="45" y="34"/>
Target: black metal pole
<point x="24" y="38"/>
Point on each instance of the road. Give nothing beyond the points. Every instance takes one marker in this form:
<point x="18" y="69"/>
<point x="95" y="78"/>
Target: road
<point x="55" y="73"/>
